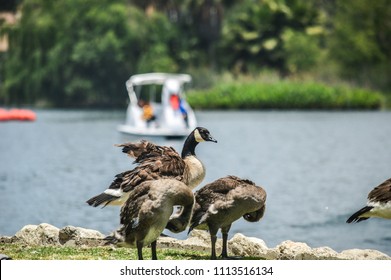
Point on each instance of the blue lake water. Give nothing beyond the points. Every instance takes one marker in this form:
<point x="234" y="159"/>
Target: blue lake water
<point x="317" y="169"/>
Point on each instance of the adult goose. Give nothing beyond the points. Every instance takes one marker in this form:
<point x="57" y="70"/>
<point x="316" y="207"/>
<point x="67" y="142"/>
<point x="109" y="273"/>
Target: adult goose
<point x="156" y="162"/>
<point x="224" y="201"/>
<point x="378" y="205"/>
<point x="147" y="211"/>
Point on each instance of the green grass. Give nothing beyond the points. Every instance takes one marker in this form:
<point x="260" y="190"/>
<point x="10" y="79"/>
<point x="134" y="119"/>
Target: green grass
<point x="23" y="252"/>
<point x="285" y="95"/>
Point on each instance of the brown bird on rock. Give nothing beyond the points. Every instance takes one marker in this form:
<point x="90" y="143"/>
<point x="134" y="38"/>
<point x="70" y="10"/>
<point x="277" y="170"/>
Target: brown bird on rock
<point x="224" y="201"/>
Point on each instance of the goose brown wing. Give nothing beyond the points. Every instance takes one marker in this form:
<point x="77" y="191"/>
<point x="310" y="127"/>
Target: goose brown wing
<point x="381" y="193"/>
<point x="145" y="150"/>
<point x="153" y="162"/>
<point x="169" y="163"/>
<point x="208" y="195"/>
<point x="131" y="208"/>
<point x="151" y="167"/>
<point x="136" y="150"/>
<point x="151" y="158"/>
<point x="129" y="217"/>
<point x="219" y="191"/>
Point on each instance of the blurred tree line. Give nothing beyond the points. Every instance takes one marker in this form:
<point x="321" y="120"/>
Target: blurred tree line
<point x="80" y="52"/>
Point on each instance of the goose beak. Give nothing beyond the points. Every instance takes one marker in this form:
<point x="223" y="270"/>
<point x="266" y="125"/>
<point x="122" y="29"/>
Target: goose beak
<point x="211" y="139"/>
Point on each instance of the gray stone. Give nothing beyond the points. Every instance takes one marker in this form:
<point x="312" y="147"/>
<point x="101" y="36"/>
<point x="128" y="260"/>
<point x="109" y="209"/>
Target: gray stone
<point x="364" y="254"/>
<point x="74" y="236"/>
<point x="324" y="253"/>
<point x="289" y="250"/>
<point x="8" y="239"/>
<point x="43" y="234"/>
<point x="241" y="245"/>
<point x="199" y="240"/>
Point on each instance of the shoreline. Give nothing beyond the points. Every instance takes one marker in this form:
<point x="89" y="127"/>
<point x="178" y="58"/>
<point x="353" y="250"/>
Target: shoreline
<point x="241" y="245"/>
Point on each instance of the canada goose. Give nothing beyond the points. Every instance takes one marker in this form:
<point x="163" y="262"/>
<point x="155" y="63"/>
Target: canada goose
<point x="155" y="162"/>
<point x="147" y="210"/>
<point x="224" y="201"/>
<point x="378" y="205"/>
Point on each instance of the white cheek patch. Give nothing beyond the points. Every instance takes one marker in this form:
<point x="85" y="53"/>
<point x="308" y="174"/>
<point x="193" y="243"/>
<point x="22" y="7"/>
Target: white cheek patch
<point x="117" y="193"/>
<point x="198" y="136"/>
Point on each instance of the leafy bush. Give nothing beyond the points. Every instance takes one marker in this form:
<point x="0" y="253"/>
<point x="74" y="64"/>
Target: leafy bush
<point x="284" y="95"/>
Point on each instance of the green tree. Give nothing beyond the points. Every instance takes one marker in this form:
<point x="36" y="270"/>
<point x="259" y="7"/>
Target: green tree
<point x="361" y="41"/>
<point x="255" y="32"/>
<point x="157" y="54"/>
<point x="72" y="52"/>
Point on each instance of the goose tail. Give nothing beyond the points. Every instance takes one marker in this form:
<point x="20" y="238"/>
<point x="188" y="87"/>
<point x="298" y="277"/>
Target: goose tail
<point x="356" y="217"/>
<point x="100" y="199"/>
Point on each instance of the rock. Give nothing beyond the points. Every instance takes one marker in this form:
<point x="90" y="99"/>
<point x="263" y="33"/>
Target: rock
<point x="241" y="245"/>
<point x="201" y="235"/>
<point x="324" y="253"/>
<point x="366" y="254"/>
<point x="43" y="234"/>
<point x="74" y="236"/>
<point x="8" y="239"/>
<point x="199" y="240"/>
<point x="289" y="250"/>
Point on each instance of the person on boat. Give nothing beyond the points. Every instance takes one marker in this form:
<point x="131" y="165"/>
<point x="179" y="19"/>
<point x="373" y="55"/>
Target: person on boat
<point x="174" y="101"/>
<point x="183" y="111"/>
<point x="148" y="114"/>
<point x="177" y="105"/>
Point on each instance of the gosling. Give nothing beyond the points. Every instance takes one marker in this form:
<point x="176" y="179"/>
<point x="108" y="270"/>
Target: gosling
<point x="224" y="201"/>
<point x="147" y="211"/>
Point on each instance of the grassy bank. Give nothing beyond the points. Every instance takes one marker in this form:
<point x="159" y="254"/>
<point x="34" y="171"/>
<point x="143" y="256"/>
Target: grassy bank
<point x="23" y="252"/>
<point x="19" y="251"/>
<point x="285" y="95"/>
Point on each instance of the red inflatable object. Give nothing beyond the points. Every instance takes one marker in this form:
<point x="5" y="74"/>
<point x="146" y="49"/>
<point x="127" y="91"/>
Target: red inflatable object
<point x="17" y="115"/>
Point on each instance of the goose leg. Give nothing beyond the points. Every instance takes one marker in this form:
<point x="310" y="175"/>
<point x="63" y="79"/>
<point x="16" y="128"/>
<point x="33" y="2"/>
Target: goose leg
<point x="224" y="231"/>
<point x="153" y="248"/>
<point x="140" y="250"/>
<point x="213" y="239"/>
<point x="224" y="253"/>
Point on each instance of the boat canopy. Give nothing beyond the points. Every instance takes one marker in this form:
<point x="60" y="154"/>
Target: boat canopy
<point x="153" y="79"/>
<point x="156" y="78"/>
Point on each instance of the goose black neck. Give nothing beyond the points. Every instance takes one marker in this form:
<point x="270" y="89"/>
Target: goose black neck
<point x="189" y="146"/>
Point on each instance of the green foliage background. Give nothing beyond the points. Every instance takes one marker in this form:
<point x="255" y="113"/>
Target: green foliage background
<point x="79" y="53"/>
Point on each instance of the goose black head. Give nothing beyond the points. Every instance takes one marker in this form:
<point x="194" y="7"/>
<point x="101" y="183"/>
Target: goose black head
<point x="198" y="135"/>
<point x="202" y="134"/>
<point x="254" y="216"/>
